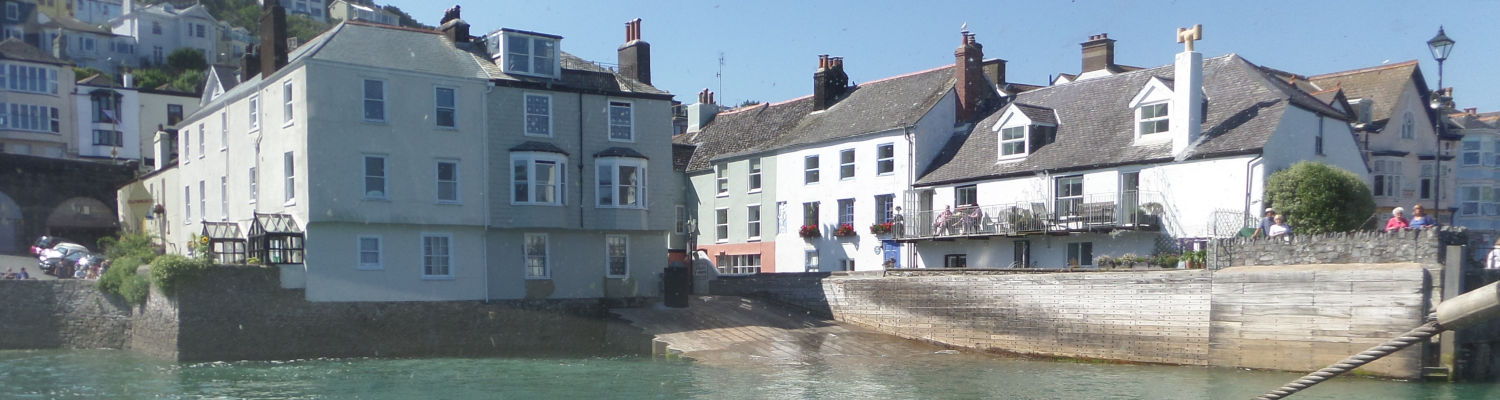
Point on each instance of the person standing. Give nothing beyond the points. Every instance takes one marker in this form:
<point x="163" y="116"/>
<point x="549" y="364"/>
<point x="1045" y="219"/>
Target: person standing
<point x="1492" y="261"/>
<point x="1398" y="221"/>
<point x="1420" y="219"/>
<point x="1265" y="224"/>
<point x="1279" y="228"/>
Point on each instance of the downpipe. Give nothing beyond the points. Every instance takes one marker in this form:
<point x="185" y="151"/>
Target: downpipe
<point x="1456" y="313"/>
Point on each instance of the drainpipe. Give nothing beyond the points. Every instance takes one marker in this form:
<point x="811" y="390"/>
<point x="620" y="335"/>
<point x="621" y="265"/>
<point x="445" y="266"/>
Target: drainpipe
<point x="1248" y="164"/>
<point x="580" y="160"/>
<point x="484" y="174"/>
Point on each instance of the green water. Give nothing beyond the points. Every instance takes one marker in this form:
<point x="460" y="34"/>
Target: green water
<point x="106" y="374"/>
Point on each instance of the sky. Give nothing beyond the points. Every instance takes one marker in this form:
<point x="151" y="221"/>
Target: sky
<point x="770" y="47"/>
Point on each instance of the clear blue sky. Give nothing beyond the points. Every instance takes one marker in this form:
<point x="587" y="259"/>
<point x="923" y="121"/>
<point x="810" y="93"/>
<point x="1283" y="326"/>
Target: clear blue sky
<point x="770" y="47"/>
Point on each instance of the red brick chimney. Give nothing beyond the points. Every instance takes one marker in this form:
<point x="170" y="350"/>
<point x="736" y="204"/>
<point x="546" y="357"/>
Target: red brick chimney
<point x="829" y="82"/>
<point x="635" y="54"/>
<point x="968" y="74"/>
<point x="1098" y="53"/>
<point x="273" y="46"/>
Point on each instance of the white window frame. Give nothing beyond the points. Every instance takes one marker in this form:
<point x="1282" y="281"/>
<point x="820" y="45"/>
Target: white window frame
<point x="753" y="222"/>
<point x="422" y="249"/>
<point x="885" y="165"/>
<point x="203" y="198"/>
<point x="756" y="167"/>
<point x="1075" y="249"/>
<point x="288" y="104"/>
<point x="254" y="185"/>
<point x="202" y="140"/>
<point x="1023" y="140"/>
<point x="811" y="175"/>
<point x="438" y="108"/>
<point x="721" y="225"/>
<point x="560" y="168"/>
<point x="509" y="54"/>
<point x="366" y="101"/>
<point x="613" y="164"/>
<point x="811" y="260"/>
<point x="546" y="257"/>
<point x="187" y="204"/>
<point x="738" y="264"/>
<point x="527" y="114"/>
<point x="385" y="180"/>
<point x="849" y="163"/>
<point x="12" y="11"/>
<point x="1471" y="146"/>
<point x="609" y="119"/>
<point x="438" y="181"/>
<point x="1164" y="117"/>
<point x="359" y="253"/>
<point x="1408" y="127"/>
<point x="682" y="219"/>
<point x="254" y="108"/>
<point x="721" y="180"/>
<point x="289" y="171"/>
<point x="608" y="256"/>
<point x="223" y="198"/>
<point x="224" y="130"/>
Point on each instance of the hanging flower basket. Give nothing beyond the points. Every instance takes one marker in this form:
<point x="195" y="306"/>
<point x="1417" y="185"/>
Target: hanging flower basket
<point x="844" y="230"/>
<point x="881" y="229"/>
<point x="158" y="209"/>
<point x="809" y="231"/>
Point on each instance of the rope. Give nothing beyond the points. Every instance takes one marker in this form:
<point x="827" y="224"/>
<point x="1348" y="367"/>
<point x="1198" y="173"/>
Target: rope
<point x="1414" y="336"/>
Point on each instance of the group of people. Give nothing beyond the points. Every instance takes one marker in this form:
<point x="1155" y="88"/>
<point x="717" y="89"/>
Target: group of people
<point x="11" y="274"/>
<point x="1419" y="220"/>
<point x="965" y="219"/>
<point x="1272" y="226"/>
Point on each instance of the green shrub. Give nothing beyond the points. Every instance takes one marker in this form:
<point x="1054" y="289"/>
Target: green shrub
<point x="134" y="288"/>
<point x="129" y="244"/>
<point x="170" y="271"/>
<point x="119" y="269"/>
<point x="1318" y="198"/>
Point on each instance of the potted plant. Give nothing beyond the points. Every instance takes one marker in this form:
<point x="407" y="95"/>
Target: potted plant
<point x="1166" y="261"/>
<point x="809" y="231"/>
<point x="844" y="230"/>
<point x="1128" y="260"/>
<point x="1195" y="259"/>
<point x="881" y="229"/>
<point x="1105" y="262"/>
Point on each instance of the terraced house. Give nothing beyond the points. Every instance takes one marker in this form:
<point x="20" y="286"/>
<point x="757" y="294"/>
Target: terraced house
<point x="378" y="163"/>
<point x="814" y="183"/>
<point x="1120" y="161"/>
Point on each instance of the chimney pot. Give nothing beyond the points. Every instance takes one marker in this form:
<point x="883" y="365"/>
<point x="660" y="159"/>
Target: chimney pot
<point x="1098" y="53"/>
<point x="829" y="82"/>
<point x="635" y="54"/>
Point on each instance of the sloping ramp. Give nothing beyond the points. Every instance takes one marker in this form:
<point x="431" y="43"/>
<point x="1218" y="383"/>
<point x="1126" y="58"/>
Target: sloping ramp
<point x="728" y="329"/>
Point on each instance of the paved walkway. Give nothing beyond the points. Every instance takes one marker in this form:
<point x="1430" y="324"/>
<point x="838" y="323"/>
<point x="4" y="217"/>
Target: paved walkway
<point x="17" y="263"/>
<point x="726" y="329"/>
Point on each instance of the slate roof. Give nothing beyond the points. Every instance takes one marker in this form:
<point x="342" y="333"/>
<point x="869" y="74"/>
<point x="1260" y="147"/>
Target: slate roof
<point x="1041" y="115"/>
<point x="872" y="107"/>
<point x="620" y="152"/>
<point x="15" y="49"/>
<point x="530" y="145"/>
<point x="1097" y="125"/>
<point x="681" y="154"/>
<point x="229" y="76"/>
<point x="73" y="24"/>
<point x="1383" y="84"/>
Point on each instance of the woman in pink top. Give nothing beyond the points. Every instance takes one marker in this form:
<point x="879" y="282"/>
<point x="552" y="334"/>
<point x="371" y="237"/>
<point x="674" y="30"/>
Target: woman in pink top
<point x="1397" y="221"/>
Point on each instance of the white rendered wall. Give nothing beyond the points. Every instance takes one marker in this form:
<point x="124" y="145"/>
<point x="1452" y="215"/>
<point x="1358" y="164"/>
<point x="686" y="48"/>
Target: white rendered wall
<point x="864" y="248"/>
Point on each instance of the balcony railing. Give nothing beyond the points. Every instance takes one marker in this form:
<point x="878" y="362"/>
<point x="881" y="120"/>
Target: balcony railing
<point x="1088" y="213"/>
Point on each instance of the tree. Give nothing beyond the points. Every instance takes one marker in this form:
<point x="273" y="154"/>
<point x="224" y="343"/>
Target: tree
<point x="304" y="28"/>
<point x="189" y="82"/>
<point x="186" y="59"/>
<point x="84" y="72"/>
<point x="1319" y="198"/>
<point x="150" y="78"/>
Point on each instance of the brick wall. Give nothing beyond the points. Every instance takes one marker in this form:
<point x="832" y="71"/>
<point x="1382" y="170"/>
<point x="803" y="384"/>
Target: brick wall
<point x="1256" y="317"/>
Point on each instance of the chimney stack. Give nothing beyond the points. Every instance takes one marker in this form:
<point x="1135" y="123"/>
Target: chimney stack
<point x="829" y="82"/>
<point x="250" y="63"/>
<point x="994" y="70"/>
<point x="1185" y="122"/>
<point x="702" y="112"/>
<point x="453" y="26"/>
<point x="1098" y="54"/>
<point x="968" y="73"/>
<point x="635" y="54"/>
<point x="272" y="38"/>
<point x="1471" y="111"/>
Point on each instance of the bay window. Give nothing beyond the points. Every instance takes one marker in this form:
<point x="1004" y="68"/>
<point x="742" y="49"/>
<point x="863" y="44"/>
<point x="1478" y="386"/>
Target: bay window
<point x="537" y="178"/>
<point x="621" y="182"/>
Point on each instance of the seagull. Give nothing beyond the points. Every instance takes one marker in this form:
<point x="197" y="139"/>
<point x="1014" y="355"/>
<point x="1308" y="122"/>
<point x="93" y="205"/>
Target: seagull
<point x="964" y="28"/>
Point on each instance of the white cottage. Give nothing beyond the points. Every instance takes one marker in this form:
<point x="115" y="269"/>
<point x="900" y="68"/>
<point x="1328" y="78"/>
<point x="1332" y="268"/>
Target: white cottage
<point x="1126" y="162"/>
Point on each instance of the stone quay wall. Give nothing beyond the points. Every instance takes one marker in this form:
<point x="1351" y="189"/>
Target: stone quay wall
<point x="1423" y="247"/>
<point x="61" y="314"/>
<point x="1253" y="317"/>
<point x="242" y="313"/>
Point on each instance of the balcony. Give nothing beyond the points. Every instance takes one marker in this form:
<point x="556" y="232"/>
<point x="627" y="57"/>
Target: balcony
<point x="1102" y="212"/>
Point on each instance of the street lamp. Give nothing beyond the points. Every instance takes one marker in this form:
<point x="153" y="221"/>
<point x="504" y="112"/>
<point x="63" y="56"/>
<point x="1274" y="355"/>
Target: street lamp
<point x="1440" y="45"/>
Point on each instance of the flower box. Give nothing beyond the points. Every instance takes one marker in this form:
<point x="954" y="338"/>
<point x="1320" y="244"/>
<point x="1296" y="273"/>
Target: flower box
<point x="809" y="231"/>
<point x="844" y="230"/>
<point x="881" y="229"/>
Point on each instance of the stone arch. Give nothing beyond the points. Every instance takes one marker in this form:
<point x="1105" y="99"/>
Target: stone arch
<point x="82" y="219"/>
<point x="11" y="241"/>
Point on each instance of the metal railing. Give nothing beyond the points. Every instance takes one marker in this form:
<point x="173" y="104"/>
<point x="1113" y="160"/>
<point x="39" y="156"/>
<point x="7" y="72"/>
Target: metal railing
<point x="1086" y="213"/>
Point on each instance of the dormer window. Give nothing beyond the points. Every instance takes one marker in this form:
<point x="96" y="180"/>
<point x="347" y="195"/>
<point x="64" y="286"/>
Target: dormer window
<point x="527" y="53"/>
<point x="1013" y="141"/>
<point x="1024" y="129"/>
<point x="1152" y="118"/>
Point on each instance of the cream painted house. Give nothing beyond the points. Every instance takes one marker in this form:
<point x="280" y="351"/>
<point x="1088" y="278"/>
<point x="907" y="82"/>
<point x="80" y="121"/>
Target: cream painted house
<point x="388" y="164"/>
<point x="37" y="100"/>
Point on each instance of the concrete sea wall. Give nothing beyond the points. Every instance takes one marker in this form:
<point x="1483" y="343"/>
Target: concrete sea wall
<point x="1290" y="318"/>
<point x="241" y="313"/>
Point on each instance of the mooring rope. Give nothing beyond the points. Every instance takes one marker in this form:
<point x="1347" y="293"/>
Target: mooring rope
<point x="1414" y="336"/>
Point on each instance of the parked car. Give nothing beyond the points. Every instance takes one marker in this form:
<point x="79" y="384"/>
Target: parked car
<point x="61" y="259"/>
<point x="44" y="243"/>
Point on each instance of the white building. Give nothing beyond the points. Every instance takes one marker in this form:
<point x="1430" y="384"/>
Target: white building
<point x="404" y="188"/>
<point x="351" y="11"/>
<point x="1131" y="162"/>
<point x="106" y="120"/>
<point x="315" y="9"/>
<point x="163" y="28"/>
<point x="37" y="98"/>
<point x="97" y="12"/>
<point x="800" y="185"/>
<point x="1478" y="175"/>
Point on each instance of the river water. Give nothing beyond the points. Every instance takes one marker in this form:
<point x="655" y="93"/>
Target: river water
<point x="110" y="374"/>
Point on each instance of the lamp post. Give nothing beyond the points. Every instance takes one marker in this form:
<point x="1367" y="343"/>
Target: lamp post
<point x="1440" y="45"/>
